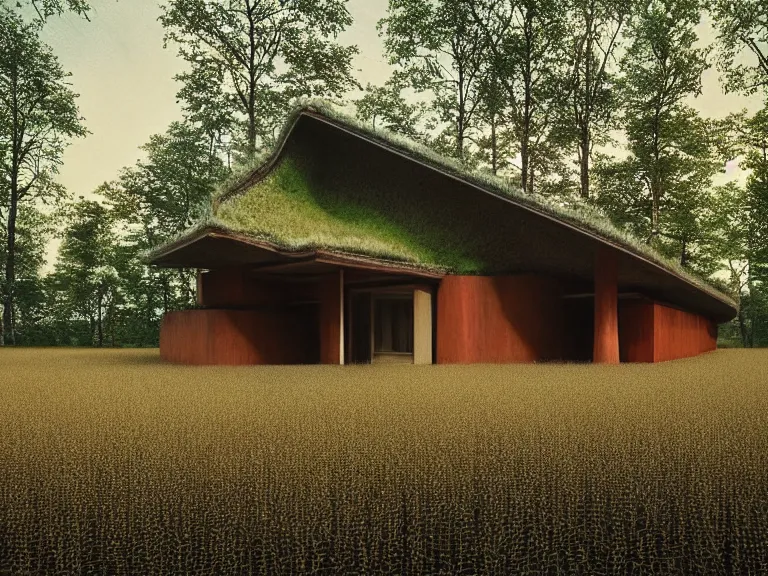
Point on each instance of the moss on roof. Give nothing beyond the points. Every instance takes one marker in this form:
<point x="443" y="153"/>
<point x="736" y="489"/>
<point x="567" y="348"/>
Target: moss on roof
<point x="273" y="201"/>
<point x="297" y="214"/>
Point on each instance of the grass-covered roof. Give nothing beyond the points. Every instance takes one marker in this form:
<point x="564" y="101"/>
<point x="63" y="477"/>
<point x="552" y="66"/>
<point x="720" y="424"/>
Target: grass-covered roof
<point x="287" y="200"/>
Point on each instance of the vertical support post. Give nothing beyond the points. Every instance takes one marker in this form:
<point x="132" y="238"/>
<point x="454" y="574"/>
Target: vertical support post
<point x="373" y="327"/>
<point x="606" y="342"/>
<point x="422" y="326"/>
<point x="331" y="292"/>
<point x="341" y="316"/>
<point x="349" y="330"/>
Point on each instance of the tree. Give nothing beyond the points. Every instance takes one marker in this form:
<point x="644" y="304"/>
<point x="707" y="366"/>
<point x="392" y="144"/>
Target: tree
<point x="33" y="230"/>
<point x="384" y="106"/>
<point x="595" y="25"/>
<point x="84" y="266"/>
<point x="438" y="47"/>
<point x="47" y="8"/>
<point x="249" y="58"/>
<point x="743" y="220"/>
<point x="742" y="25"/>
<point x="660" y="188"/>
<point x="526" y="41"/>
<point x="157" y="199"/>
<point x="496" y="137"/>
<point x="37" y="117"/>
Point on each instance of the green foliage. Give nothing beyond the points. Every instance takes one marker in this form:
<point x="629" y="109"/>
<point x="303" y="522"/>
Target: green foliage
<point x="439" y="49"/>
<point x="44" y="9"/>
<point x="385" y="106"/>
<point x="527" y="44"/>
<point x="30" y="311"/>
<point x="595" y="28"/>
<point x="168" y="191"/>
<point x="660" y="191"/>
<point x="249" y="59"/>
<point x="742" y="28"/>
<point x="84" y="271"/>
<point x="742" y="221"/>
<point x="38" y="116"/>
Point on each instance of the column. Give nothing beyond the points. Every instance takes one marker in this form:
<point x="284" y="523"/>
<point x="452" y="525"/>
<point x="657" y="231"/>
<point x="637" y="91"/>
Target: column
<point x="606" y="343"/>
<point x="331" y="293"/>
<point x="422" y="326"/>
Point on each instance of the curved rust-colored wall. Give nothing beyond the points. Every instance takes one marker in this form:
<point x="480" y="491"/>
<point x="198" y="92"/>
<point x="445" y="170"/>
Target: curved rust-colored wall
<point x="498" y="319"/>
<point x="213" y="336"/>
<point x="681" y="334"/>
<point x="636" y="330"/>
<point x="652" y="332"/>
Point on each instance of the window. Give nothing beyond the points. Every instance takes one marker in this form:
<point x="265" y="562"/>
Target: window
<point x="393" y="324"/>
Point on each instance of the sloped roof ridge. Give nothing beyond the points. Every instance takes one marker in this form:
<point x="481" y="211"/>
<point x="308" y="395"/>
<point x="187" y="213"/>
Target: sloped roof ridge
<point x="586" y="218"/>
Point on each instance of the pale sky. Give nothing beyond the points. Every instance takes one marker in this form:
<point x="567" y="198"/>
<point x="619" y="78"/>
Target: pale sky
<point x="127" y="92"/>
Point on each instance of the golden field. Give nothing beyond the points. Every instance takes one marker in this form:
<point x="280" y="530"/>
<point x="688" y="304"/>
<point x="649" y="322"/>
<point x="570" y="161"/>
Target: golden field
<point x="113" y="462"/>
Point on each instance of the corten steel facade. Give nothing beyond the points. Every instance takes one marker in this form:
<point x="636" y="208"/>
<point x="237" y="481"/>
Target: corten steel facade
<point x="552" y="292"/>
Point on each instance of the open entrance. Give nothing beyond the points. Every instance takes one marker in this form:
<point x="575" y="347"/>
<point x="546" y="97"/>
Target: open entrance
<point x="579" y="333"/>
<point x="381" y="326"/>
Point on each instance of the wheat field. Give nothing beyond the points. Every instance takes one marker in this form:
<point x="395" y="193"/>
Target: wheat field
<point x="112" y="462"/>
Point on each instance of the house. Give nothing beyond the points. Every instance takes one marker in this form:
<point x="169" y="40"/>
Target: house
<point x="354" y="245"/>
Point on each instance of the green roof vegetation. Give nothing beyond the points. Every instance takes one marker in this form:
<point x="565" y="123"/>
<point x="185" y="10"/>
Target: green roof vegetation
<point x="282" y="206"/>
<point x="288" y="210"/>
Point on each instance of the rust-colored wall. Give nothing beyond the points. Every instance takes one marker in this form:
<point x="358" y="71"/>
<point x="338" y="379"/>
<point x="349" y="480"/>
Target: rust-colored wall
<point x="636" y="330"/>
<point x="498" y="319"/>
<point x="652" y="332"/>
<point x="213" y="336"/>
<point x="679" y="334"/>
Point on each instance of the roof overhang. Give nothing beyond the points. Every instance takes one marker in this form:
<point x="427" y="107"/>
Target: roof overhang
<point x="210" y="247"/>
<point x="213" y="248"/>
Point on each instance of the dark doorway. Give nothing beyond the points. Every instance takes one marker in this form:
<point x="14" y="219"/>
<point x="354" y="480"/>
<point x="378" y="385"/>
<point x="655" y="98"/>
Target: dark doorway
<point x="579" y="328"/>
<point x="380" y="327"/>
<point x="393" y="327"/>
<point x="360" y="327"/>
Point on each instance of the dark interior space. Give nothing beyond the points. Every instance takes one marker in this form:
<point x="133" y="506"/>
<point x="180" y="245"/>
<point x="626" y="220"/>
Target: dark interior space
<point x="307" y="315"/>
<point x="393" y="324"/>
<point x="359" y="328"/>
<point x="579" y="329"/>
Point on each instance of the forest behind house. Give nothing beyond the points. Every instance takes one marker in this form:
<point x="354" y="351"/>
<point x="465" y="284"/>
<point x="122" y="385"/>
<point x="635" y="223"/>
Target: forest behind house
<point x="586" y="102"/>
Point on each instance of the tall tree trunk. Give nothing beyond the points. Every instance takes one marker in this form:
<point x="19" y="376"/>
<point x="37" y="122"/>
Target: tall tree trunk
<point x="111" y="321"/>
<point x="524" y="161"/>
<point x="462" y="116"/>
<point x="530" y="180"/>
<point x="186" y="290"/>
<point x="165" y="294"/>
<point x="10" y="265"/>
<point x="494" y="144"/>
<point x="100" y="319"/>
<point x="684" y="254"/>
<point x="150" y="304"/>
<point x="584" y="161"/>
<point x="743" y="329"/>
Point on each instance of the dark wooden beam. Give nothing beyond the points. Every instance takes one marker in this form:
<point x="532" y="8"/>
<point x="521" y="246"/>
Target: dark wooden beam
<point x="270" y="266"/>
